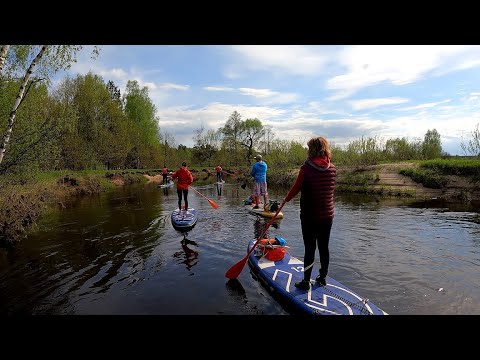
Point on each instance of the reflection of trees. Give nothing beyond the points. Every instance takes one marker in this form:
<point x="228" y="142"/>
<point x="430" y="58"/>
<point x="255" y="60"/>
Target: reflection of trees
<point x="99" y="242"/>
<point x="260" y="224"/>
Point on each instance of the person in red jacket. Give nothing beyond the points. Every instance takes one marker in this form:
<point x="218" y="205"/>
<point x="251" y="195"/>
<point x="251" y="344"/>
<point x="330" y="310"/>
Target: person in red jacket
<point x="316" y="181"/>
<point x="165" y="175"/>
<point x="219" y="173"/>
<point x="185" y="178"/>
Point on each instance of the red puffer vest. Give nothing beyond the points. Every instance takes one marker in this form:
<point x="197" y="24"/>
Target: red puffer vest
<point x="316" y="201"/>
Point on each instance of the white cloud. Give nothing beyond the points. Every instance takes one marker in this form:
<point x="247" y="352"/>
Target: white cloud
<point x="294" y="59"/>
<point x="260" y="93"/>
<point x="373" y="103"/>
<point x="268" y="96"/>
<point x="171" y="86"/>
<point x="395" y="64"/>
<point x="117" y="73"/>
<point x="218" y="88"/>
<point x="319" y="108"/>
<point x="424" y="106"/>
<point x="467" y="64"/>
<point x="182" y="121"/>
<point x="230" y="72"/>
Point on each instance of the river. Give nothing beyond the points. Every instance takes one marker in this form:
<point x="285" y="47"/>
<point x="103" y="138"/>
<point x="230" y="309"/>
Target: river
<point x="117" y="253"/>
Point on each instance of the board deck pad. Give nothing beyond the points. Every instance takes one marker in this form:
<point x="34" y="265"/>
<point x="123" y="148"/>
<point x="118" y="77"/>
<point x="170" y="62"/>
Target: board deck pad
<point x="260" y="211"/>
<point x="182" y="220"/>
<point x="333" y="299"/>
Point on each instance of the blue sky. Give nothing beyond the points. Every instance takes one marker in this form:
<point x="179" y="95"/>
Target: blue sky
<point x="340" y="92"/>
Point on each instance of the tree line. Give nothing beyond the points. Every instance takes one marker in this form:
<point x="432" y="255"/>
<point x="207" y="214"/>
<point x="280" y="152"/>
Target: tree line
<point x="87" y="123"/>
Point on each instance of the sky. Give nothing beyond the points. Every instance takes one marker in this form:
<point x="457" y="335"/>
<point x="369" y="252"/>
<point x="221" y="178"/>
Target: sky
<point x="340" y="92"/>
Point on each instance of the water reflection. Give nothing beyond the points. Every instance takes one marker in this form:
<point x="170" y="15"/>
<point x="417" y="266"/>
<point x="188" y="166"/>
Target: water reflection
<point x="165" y="191"/>
<point x="188" y="256"/>
<point x="119" y="254"/>
<point x="236" y="290"/>
<point x="261" y="223"/>
<point x="219" y="189"/>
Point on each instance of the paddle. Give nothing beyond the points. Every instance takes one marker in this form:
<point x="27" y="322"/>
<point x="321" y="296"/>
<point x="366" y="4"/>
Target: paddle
<point x="236" y="269"/>
<point x="211" y="202"/>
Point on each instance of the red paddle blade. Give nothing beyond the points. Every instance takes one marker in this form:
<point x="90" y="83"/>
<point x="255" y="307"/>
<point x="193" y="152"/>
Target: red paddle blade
<point x="214" y="204"/>
<point x="236" y="269"/>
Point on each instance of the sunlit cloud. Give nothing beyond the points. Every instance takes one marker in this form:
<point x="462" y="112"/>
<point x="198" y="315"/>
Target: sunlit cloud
<point x="295" y="59"/>
<point x="424" y="106"/>
<point x="395" y="64"/>
<point x="269" y="96"/>
<point x="218" y="88"/>
<point x="170" y="86"/>
<point x="373" y="103"/>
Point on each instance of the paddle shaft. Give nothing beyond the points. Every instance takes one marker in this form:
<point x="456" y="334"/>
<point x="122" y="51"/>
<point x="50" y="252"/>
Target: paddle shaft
<point x="236" y="269"/>
<point x="211" y="202"/>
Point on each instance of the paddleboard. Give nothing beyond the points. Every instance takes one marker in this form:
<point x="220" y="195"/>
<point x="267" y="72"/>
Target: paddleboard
<point x="184" y="221"/>
<point x="168" y="185"/>
<point x="278" y="277"/>
<point x="260" y="211"/>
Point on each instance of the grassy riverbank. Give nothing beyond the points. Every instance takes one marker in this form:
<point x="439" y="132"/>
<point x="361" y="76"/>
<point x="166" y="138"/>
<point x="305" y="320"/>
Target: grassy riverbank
<point x="23" y="202"/>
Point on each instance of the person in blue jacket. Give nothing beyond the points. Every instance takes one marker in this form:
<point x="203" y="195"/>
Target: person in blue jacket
<point x="259" y="173"/>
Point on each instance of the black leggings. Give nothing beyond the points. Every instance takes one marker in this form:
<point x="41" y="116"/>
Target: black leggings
<point x="185" y="194"/>
<point x="316" y="233"/>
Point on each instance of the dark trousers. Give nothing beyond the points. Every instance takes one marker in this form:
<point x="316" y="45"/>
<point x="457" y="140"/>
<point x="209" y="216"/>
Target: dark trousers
<point x="219" y="176"/>
<point x="185" y="194"/>
<point x="316" y="233"/>
<point x="164" y="178"/>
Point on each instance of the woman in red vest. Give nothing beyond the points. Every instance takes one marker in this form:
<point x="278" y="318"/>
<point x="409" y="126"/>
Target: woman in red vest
<point x="316" y="181"/>
<point x="185" y="178"/>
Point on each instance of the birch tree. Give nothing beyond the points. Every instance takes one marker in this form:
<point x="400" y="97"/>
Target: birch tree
<point x="25" y="61"/>
<point x="3" y="55"/>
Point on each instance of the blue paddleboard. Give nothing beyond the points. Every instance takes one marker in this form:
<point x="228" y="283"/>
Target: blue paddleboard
<point x="182" y="220"/>
<point x="333" y="299"/>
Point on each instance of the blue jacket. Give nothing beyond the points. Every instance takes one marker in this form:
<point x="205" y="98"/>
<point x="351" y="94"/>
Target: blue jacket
<point x="259" y="171"/>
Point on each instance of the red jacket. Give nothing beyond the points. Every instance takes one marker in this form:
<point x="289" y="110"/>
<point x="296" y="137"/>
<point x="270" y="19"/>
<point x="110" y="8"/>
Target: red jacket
<point x="184" y="176"/>
<point x="218" y="168"/>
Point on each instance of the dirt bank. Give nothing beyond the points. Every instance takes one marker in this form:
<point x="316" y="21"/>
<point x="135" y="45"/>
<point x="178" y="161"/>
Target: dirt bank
<point x="386" y="179"/>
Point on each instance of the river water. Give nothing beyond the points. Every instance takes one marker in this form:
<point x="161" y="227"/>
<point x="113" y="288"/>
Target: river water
<point x="117" y="253"/>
